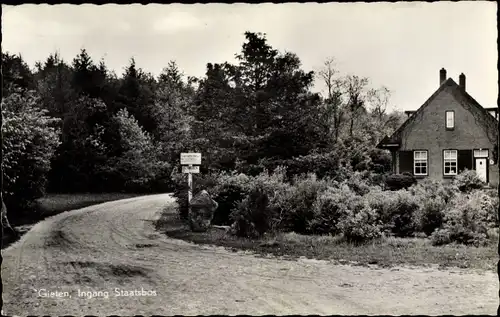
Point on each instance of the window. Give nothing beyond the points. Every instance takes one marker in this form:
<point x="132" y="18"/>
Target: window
<point x="450" y="162"/>
<point x="420" y="162"/>
<point x="450" y="119"/>
<point x="481" y="153"/>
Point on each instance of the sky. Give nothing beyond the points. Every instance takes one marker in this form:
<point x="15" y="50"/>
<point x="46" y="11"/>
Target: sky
<point x="401" y="46"/>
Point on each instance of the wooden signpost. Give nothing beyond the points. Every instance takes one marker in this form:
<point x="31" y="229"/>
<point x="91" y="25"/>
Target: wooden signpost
<point x="188" y="160"/>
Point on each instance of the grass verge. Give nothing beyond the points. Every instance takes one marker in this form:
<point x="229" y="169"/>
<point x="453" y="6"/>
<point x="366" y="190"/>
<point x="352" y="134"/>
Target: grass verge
<point x="386" y="252"/>
<point x="54" y="204"/>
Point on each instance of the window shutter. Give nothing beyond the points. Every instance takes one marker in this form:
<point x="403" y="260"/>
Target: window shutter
<point x="405" y="162"/>
<point x="465" y="159"/>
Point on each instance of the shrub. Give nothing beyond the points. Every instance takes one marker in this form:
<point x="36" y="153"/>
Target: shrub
<point x="467" y="181"/>
<point x="323" y="165"/>
<point x="430" y="188"/>
<point x="329" y="208"/>
<point x="257" y="213"/>
<point x="381" y="202"/>
<point x="492" y="235"/>
<point x="380" y="160"/>
<point x="361" y="182"/>
<point x="252" y="218"/>
<point x="467" y="220"/>
<point x="300" y="200"/>
<point x="360" y="223"/>
<point x="430" y="215"/>
<point x="30" y="139"/>
<point x="433" y="196"/>
<point x="441" y="237"/>
<point x="397" y="211"/>
<point x="230" y="190"/>
<point x="399" y="181"/>
<point x="403" y="214"/>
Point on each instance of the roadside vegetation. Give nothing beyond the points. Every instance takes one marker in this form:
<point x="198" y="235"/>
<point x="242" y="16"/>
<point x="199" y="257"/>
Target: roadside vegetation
<point x="357" y="219"/>
<point x="54" y="204"/>
<point x="289" y="167"/>
<point x="77" y="127"/>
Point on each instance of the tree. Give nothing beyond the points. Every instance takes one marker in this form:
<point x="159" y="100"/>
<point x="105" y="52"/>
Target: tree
<point x="29" y="143"/>
<point x="136" y="94"/>
<point x="171" y="76"/>
<point x="17" y="76"/>
<point x="354" y="87"/>
<point x="173" y="109"/>
<point x="74" y="167"/>
<point x="138" y="162"/>
<point x="53" y="81"/>
<point x="334" y="110"/>
<point x="266" y="99"/>
<point x="88" y="79"/>
<point x="384" y="123"/>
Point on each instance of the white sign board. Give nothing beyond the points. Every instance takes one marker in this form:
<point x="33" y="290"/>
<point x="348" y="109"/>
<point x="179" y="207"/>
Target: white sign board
<point x="190" y="158"/>
<point x="191" y="169"/>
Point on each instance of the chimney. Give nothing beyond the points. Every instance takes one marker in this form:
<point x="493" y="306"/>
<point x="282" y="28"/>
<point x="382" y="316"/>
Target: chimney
<point x="442" y="76"/>
<point x="461" y="81"/>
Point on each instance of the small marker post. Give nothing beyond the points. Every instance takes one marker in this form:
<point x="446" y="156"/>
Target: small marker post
<point x="190" y="185"/>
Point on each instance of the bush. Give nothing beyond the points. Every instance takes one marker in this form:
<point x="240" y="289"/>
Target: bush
<point x="329" y="208"/>
<point x="430" y="188"/>
<point x="492" y="235"/>
<point x="397" y="211"/>
<point x="430" y="215"/>
<point x="257" y="213"/>
<point x="361" y="183"/>
<point x="441" y="237"/>
<point x="433" y="196"/>
<point x="467" y="220"/>
<point x="323" y="165"/>
<point x="380" y="160"/>
<point x="341" y="211"/>
<point x="230" y="190"/>
<point x="399" y="181"/>
<point x="300" y="200"/>
<point x="467" y="181"/>
<point x="360" y="223"/>
<point x="403" y="214"/>
<point x="253" y="217"/>
<point x="30" y="140"/>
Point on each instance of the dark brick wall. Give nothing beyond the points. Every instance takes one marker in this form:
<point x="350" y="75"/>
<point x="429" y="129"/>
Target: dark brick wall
<point x="428" y="131"/>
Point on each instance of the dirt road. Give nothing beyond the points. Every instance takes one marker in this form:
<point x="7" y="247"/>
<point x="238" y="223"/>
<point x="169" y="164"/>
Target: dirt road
<point x="114" y="248"/>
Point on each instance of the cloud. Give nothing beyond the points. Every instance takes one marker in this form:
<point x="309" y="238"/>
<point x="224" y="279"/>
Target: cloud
<point x="177" y="21"/>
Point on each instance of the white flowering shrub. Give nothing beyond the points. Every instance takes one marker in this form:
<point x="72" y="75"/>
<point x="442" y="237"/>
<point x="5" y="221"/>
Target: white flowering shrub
<point x="30" y="139"/>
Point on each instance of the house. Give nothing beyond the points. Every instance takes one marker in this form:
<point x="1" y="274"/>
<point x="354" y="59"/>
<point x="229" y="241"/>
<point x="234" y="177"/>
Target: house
<point x="450" y="132"/>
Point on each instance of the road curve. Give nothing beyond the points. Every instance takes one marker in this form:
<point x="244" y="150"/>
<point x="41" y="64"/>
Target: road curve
<point x="113" y="248"/>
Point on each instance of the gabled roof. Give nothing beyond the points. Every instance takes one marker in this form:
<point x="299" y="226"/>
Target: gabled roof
<point x="395" y="137"/>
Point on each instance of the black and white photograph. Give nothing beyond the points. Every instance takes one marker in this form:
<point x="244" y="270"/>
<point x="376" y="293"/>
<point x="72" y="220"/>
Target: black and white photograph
<point x="250" y="159"/>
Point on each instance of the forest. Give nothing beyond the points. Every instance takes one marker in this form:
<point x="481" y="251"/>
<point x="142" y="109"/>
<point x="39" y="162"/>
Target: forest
<point x="78" y="127"/>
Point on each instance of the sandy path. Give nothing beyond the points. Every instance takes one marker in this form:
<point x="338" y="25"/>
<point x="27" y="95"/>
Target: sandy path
<point x="114" y="245"/>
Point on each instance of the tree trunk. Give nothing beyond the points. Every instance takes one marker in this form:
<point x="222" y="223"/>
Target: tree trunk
<point x="5" y="220"/>
<point x="352" y="125"/>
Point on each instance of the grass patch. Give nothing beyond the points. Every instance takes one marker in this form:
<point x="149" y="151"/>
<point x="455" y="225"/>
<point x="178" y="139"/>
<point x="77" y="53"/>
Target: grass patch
<point x="54" y="204"/>
<point x="385" y="252"/>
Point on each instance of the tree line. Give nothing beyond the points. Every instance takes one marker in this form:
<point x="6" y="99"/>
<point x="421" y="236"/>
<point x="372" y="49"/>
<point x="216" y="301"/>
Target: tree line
<point x="78" y="127"/>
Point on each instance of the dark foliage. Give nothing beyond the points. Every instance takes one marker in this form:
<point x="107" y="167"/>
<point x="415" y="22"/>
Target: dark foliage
<point x="400" y="181"/>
